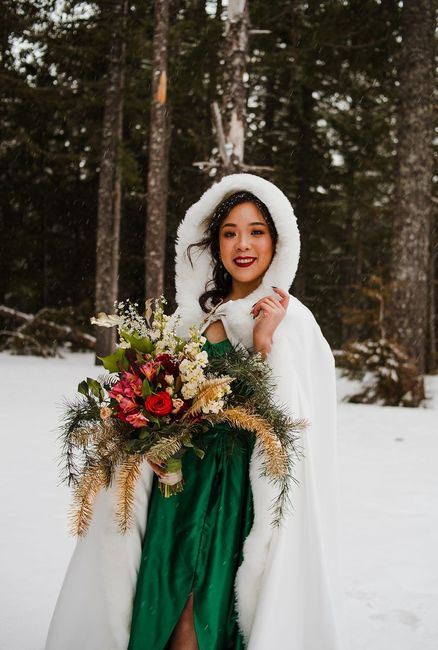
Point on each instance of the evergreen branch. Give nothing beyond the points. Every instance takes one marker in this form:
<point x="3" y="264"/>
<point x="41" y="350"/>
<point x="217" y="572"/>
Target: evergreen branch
<point x="242" y="418"/>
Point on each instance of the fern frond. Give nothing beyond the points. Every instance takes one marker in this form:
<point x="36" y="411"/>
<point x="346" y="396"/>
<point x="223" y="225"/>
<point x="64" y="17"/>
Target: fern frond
<point x="166" y="447"/>
<point x="209" y="391"/>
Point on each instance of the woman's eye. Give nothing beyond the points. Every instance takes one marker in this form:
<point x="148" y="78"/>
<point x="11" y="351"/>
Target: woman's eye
<point x="258" y="232"/>
<point x="229" y="233"/>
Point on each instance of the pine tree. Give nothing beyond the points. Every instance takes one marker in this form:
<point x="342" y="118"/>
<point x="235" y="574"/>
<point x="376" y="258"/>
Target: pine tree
<point x="157" y="186"/>
<point x="410" y="266"/>
<point x="110" y="179"/>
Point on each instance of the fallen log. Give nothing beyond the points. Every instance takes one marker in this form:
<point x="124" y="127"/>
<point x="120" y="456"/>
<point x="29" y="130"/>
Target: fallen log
<point x="41" y="332"/>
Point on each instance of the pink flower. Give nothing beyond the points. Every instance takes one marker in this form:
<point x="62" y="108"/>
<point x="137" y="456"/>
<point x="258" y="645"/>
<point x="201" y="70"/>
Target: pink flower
<point x="129" y="386"/>
<point x="177" y="405"/>
<point x="127" y="405"/>
<point x="148" y="369"/>
<point x="116" y="391"/>
<point x="132" y="382"/>
<point x="137" y="419"/>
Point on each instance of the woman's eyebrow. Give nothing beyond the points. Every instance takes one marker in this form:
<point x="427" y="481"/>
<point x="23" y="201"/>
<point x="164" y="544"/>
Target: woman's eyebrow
<point x="254" y="223"/>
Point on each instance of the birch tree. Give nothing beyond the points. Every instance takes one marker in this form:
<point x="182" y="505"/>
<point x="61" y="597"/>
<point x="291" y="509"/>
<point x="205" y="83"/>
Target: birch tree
<point x="229" y="118"/>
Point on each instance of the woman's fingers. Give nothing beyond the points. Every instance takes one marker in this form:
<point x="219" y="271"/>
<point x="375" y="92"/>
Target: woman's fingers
<point x="158" y="469"/>
<point x="264" y="307"/>
<point x="284" y="296"/>
<point x="268" y="302"/>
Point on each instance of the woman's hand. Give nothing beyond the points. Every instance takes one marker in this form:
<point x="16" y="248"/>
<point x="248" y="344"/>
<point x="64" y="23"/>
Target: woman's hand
<point x="271" y="312"/>
<point x="158" y="469"/>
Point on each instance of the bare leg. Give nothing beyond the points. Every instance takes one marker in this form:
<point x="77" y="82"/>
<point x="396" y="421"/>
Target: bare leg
<point x="184" y="635"/>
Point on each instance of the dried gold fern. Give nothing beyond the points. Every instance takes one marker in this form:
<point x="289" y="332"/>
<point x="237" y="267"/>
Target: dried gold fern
<point x="209" y="391"/>
<point x="127" y="477"/>
<point x="83" y="497"/>
<point x="93" y="432"/>
<point x="165" y="448"/>
<point x="241" y="418"/>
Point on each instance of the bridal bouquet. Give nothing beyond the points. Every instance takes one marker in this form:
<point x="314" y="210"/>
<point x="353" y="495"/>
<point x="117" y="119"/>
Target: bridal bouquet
<point x="160" y="395"/>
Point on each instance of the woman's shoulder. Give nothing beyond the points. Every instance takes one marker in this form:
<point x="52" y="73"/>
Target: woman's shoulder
<point x="303" y="328"/>
<point x="299" y="310"/>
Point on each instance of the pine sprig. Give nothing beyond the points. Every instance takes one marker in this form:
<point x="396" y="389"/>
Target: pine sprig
<point x="78" y="413"/>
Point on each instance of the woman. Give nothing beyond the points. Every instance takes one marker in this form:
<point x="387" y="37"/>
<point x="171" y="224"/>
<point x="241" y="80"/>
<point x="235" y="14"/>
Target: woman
<point x="286" y="586"/>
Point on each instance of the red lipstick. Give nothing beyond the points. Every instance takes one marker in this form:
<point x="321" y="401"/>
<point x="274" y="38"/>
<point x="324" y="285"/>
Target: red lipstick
<point x="244" y="261"/>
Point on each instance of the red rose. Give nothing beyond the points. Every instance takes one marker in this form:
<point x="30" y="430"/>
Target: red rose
<point x="159" y="404"/>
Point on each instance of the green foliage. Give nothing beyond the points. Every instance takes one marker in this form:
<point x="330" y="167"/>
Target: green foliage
<point x="116" y="361"/>
<point x="146" y="388"/>
<point x="142" y="344"/>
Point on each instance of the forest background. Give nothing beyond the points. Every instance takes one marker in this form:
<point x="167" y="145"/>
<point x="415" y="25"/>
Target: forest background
<point x="116" y="117"/>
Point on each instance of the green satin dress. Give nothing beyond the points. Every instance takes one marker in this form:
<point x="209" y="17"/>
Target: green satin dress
<point x="194" y="540"/>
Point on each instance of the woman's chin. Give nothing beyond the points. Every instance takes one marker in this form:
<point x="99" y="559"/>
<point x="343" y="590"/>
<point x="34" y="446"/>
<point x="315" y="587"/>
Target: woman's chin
<point x="252" y="279"/>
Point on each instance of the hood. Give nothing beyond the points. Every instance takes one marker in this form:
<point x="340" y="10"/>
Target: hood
<point x="191" y="281"/>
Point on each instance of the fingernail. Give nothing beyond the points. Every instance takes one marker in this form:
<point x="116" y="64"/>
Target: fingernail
<point x="163" y="464"/>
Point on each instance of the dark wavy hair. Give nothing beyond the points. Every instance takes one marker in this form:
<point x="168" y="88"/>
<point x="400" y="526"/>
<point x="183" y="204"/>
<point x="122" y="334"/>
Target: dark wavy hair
<point x="221" y="281"/>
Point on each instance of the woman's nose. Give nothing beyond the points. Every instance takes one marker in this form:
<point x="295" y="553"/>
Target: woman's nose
<point x="242" y="244"/>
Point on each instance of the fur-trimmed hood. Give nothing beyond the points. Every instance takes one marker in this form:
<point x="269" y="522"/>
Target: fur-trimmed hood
<point x="191" y="280"/>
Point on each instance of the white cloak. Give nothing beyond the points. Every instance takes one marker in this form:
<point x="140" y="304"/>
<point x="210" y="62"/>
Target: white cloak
<point x="287" y="588"/>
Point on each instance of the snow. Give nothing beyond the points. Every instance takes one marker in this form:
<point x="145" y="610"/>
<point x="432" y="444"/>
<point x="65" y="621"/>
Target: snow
<point x="389" y="519"/>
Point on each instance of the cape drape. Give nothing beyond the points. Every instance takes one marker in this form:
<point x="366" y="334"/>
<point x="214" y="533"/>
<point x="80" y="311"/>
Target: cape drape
<point x="288" y="589"/>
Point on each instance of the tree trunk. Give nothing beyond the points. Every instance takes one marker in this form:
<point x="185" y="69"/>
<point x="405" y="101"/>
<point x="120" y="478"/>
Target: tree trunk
<point x="432" y="353"/>
<point x="158" y="158"/>
<point x="411" y="239"/>
<point x="109" y="197"/>
<point x="303" y="200"/>
<point x="231" y="125"/>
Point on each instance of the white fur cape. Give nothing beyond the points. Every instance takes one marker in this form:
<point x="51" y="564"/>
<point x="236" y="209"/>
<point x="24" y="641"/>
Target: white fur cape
<point x="287" y="587"/>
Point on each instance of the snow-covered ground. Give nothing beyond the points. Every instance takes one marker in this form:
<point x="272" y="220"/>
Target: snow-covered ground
<point x="389" y="498"/>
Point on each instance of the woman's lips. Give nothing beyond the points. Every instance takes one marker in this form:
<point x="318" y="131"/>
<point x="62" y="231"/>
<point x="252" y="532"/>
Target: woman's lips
<point x="243" y="262"/>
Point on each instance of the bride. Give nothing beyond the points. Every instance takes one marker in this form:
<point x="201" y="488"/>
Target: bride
<point x="205" y="568"/>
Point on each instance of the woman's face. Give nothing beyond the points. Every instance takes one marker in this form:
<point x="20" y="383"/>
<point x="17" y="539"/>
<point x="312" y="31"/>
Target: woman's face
<point x="245" y="244"/>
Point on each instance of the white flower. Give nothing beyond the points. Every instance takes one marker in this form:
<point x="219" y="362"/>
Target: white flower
<point x="189" y="390"/>
<point x="106" y="320"/>
<point x="202" y="358"/>
<point x="215" y="406"/>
